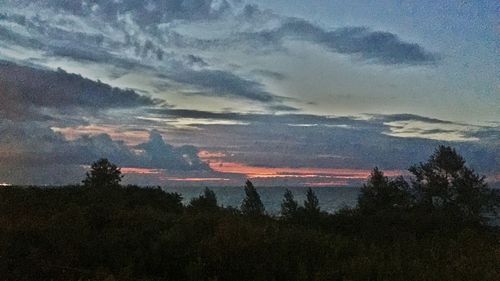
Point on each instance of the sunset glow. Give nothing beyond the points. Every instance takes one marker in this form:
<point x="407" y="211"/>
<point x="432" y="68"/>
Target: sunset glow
<point x="282" y="92"/>
<point x="195" y="179"/>
<point x="325" y="176"/>
<point x="140" y="171"/>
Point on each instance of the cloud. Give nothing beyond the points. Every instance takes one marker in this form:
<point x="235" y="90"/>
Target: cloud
<point x="29" y="151"/>
<point x="142" y="49"/>
<point x="146" y="26"/>
<point x="185" y="45"/>
<point x="278" y="145"/>
<point x="295" y="118"/>
<point x="222" y="84"/>
<point x="28" y="91"/>
<point x="410" y="117"/>
<point x="193" y="60"/>
<point x="158" y="154"/>
<point x="379" y="46"/>
<point x="283" y="108"/>
<point x="306" y="140"/>
<point x="265" y="140"/>
<point x="270" y="74"/>
<point x="144" y="12"/>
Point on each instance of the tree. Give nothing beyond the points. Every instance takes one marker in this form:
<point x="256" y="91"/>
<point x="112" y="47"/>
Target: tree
<point x="103" y="174"/>
<point x="311" y="204"/>
<point x="445" y="182"/>
<point x="288" y="206"/>
<point x="206" y="201"/>
<point x="252" y="205"/>
<point x="381" y="194"/>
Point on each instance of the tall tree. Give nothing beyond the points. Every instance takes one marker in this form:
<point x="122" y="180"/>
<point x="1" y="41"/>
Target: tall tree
<point x="444" y="181"/>
<point x="311" y="204"/>
<point x="206" y="201"/>
<point x="103" y="174"/>
<point x="288" y="206"/>
<point x="252" y="205"/>
<point x="380" y="193"/>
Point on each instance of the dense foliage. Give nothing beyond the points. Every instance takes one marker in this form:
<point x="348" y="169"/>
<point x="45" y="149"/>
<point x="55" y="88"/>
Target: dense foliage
<point x="103" y="174"/>
<point x="132" y="233"/>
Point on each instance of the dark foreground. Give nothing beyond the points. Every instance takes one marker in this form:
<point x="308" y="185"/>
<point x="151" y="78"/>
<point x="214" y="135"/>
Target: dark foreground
<point x="131" y="233"/>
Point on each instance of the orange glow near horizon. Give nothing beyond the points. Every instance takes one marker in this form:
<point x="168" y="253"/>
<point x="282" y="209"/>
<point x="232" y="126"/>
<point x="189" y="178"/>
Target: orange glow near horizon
<point x="322" y="176"/>
<point x="140" y="171"/>
<point x="302" y="172"/>
<point x="309" y="176"/>
<point x="327" y="183"/>
<point x="194" y="179"/>
<point x="162" y="175"/>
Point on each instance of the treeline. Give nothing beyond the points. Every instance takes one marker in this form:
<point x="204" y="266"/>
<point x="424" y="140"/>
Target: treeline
<point x="433" y="228"/>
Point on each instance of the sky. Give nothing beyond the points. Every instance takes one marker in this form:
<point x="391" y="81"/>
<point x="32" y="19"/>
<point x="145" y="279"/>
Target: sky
<point x="213" y="92"/>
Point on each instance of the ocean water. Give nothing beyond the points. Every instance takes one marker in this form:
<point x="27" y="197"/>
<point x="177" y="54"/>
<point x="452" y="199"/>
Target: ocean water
<point x="330" y="198"/>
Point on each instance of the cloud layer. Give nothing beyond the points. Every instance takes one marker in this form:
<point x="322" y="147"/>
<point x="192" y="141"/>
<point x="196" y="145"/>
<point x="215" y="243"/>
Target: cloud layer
<point x="217" y="77"/>
<point x="27" y="92"/>
<point x="34" y="154"/>
<point x="377" y="46"/>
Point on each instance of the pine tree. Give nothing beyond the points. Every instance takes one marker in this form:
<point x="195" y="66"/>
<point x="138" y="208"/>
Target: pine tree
<point x="252" y="205"/>
<point x="288" y="206"/>
<point x="381" y="194"/>
<point x="206" y="201"/>
<point x="103" y="174"/>
<point x="445" y="182"/>
<point x="311" y="204"/>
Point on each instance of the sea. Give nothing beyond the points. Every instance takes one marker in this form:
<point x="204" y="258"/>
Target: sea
<point x="330" y="199"/>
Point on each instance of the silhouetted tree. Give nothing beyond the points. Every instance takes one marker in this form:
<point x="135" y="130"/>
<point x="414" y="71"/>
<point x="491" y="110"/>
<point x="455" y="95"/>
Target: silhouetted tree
<point x="103" y="174"/>
<point x="311" y="204"/>
<point x="252" y="205"/>
<point x="444" y="181"/>
<point x="380" y="193"/>
<point x="288" y="206"/>
<point x="206" y="201"/>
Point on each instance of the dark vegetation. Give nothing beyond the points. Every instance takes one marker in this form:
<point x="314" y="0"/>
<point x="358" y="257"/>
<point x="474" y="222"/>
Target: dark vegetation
<point x="433" y="228"/>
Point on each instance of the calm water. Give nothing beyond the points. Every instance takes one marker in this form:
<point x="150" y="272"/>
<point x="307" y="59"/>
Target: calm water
<point x="330" y="198"/>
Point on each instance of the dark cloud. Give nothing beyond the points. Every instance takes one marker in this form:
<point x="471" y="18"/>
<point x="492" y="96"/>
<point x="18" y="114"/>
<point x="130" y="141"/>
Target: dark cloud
<point x="154" y="154"/>
<point x="89" y="48"/>
<point x="296" y="119"/>
<point x="86" y="53"/>
<point x="410" y="117"/>
<point x="379" y="46"/>
<point x="9" y="36"/>
<point x="28" y="146"/>
<point x="305" y="140"/>
<point x="383" y="47"/>
<point x="489" y="133"/>
<point x="47" y="36"/>
<point x="144" y="12"/>
<point x="223" y="84"/>
<point x="282" y="108"/>
<point x="128" y="34"/>
<point x="280" y="145"/>
<point x="193" y="60"/>
<point x="251" y="11"/>
<point x="428" y="132"/>
<point x="25" y="89"/>
<point x="94" y="48"/>
<point x="289" y="140"/>
<point x="270" y="74"/>
<point x="159" y="154"/>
